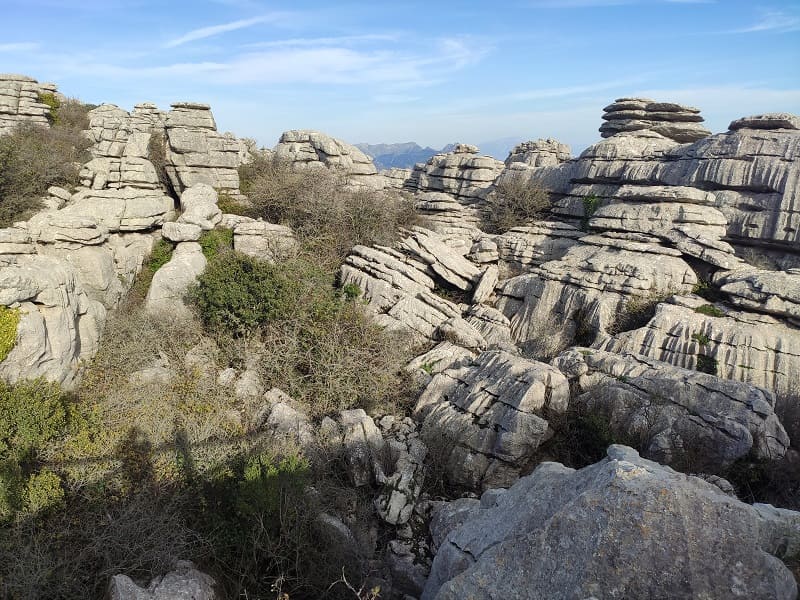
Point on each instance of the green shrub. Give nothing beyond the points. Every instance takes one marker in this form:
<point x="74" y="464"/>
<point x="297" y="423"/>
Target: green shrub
<point x="33" y="158"/>
<point x="590" y="206"/>
<point x="707" y="364"/>
<point x="9" y="321"/>
<point x="327" y="214"/>
<point x="215" y="241"/>
<point x="54" y="103"/>
<point x="701" y="339"/>
<point x="33" y="414"/>
<point x="709" y="310"/>
<point x="516" y="202"/>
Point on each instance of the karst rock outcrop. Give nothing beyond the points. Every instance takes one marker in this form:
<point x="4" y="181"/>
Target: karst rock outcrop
<point x="21" y="101"/>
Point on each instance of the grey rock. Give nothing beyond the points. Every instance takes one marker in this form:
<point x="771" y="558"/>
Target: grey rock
<point x="181" y="232"/>
<point x="623" y="527"/>
<point x="483" y="421"/>
<point x="172" y="281"/>
<point x="264" y="241"/>
<point x="539" y="153"/>
<point x="184" y="583"/>
<point x="363" y="447"/>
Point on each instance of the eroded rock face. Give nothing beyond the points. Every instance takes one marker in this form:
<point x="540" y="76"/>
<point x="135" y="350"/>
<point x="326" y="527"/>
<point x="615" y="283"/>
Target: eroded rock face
<point x="19" y="102"/>
<point x="172" y="281"/>
<point x="674" y="121"/>
<point x="198" y="153"/>
<point x="753" y="348"/>
<point x="624" y="527"/>
<point x="264" y="241"/>
<point x="484" y="418"/>
<point x="462" y="173"/>
<point x="751" y="172"/>
<point x="539" y="153"/>
<point x="59" y="324"/>
<point x="306" y="149"/>
<point x="184" y="583"/>
<point x="677" y="416"/>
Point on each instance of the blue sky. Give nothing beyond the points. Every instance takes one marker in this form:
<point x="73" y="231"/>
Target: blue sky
<point x="431" y="72"/>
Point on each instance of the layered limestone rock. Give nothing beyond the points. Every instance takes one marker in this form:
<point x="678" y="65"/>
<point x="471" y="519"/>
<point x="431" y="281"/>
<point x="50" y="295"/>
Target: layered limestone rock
<point x="582" y="293"/>
<point x="689" y="332"/>
<point x="675" y="121"/>
<point x="59" y="324"/>
<point x="521" y="248"/>
<point x="306" y="149"/>
<point x="172" y="281"/>
<point x="198" y="153"/>
<point x="445" y="215"/>
<point x="624" y="527"/>
<point x="462" y="173"/>
<point x="483" y="420"/>
<point x="20" y="102"/>
<point x="264" y="240"/>
<point x="677" y="416"/>
<point x="773" y="292"/>
<point x="750" y="174"/>
<point x="539" y="153"/>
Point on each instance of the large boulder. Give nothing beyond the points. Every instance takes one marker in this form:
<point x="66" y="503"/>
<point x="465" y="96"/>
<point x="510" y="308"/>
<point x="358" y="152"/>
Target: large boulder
<point x="484" y="420"/>
<point x="622" y="528"/>
<point x="676" y="416"/>
<point x="172" y="281"/>
<point x="184" y="583"/>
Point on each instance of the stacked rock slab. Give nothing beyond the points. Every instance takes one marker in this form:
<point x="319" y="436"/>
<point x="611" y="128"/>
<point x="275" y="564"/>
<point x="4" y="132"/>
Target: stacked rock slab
<point x="689" y="332"/>
<point x="462" y="173"/>
<point x="677" y="416"/>
<point x="675" y="121"/>
<point x="305" y="149"/>
<point x="625" y="527"/>
<point x="582" y="293"/>
<point x="750" y="174"/>
<point x="20" y="102"/>
<point x="198" y="153"/>
<point x="539" y="153"/>
<point x="483" y="420"/>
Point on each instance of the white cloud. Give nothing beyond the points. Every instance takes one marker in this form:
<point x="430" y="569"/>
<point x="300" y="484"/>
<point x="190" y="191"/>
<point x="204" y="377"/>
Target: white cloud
<point x="776" y="21"/>
<point x="19" y="47"/>
<point x="344" y="40"/>
<point x="214" y="30"/>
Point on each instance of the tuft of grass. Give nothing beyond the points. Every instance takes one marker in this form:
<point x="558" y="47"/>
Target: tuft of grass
<point x="701" y="339"/>
<point x="709" y="310"/>
<point x="590" y="206"/>
<point x="216" y="241"/>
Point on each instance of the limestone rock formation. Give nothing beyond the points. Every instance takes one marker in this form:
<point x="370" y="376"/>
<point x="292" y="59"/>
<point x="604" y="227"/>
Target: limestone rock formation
<point x="585" y="289"/>
<point x="770" y="292"/>
<point x="676" y="416"/>
<point x="675" y="121"/>
<point x="624" y="527"/>
<point x="59" y="324"/>
<point x="484" y="419"/>
<point x="462" y="173"/>
<point x="172" y="281"/>
<point x="198" y="153"/>
<point x="264" y="240"/>
<point x="539" y="153"/>
<point x="305" y="149"/>
<point x="184" y="583"/>
<point x="687" y="331"/>
<point x="20" y="102"/>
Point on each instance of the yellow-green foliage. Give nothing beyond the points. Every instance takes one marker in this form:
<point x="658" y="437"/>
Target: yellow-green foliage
<point x="54" y="104"/>
<point x="9" y="320"/>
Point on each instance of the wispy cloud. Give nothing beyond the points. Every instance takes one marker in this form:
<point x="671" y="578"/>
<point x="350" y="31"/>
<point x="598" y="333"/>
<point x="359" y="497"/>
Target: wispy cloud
<point x="344" y="40"/>
<point x="19" y="47"/>
<point x="776" y="21"/>
<point x="214" y="30"/>
<point x="605" y="3"/>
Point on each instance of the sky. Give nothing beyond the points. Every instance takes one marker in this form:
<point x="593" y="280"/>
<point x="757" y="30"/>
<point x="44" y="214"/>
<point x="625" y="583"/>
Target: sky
<point x="433" y="72"/>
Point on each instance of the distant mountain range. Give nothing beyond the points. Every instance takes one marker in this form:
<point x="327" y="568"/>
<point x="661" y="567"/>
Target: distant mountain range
<point x="406" y="155"/>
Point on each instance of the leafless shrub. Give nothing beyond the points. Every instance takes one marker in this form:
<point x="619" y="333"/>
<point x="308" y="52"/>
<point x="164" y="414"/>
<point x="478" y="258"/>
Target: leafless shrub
<point x="515" y="202"/>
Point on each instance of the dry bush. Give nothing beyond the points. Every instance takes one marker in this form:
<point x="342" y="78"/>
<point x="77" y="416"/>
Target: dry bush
<point x="327" y="213"/>
<point x="33" y="158"/>
<point x="546" y="341"/>
<point x="515" y="202"/>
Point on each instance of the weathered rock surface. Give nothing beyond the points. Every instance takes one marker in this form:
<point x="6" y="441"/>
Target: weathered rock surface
<point x="773" y="292"/>
<point x="59" y="324"/>
<point x="198" y="153"/>
<point x="264" y="240"/>
<point x="752" y="348"/>
<point x="172" y="281"/>
<point x="483" y="420"/>
<point x="363" y="447"/>
<point x="675" y="121"/>
<point x="184" y="583"/>
<point x="750" y="171"/>
<point x="676" y="416"/>
<point x="462" y="173"/>
<point x="305" y="149"/>
<point x="539" y="153"/>
<point x="523" y="247"/>
<point x="585" y="289"/>
<point x="622" y="528"/>
<point x="20" y="102"/>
